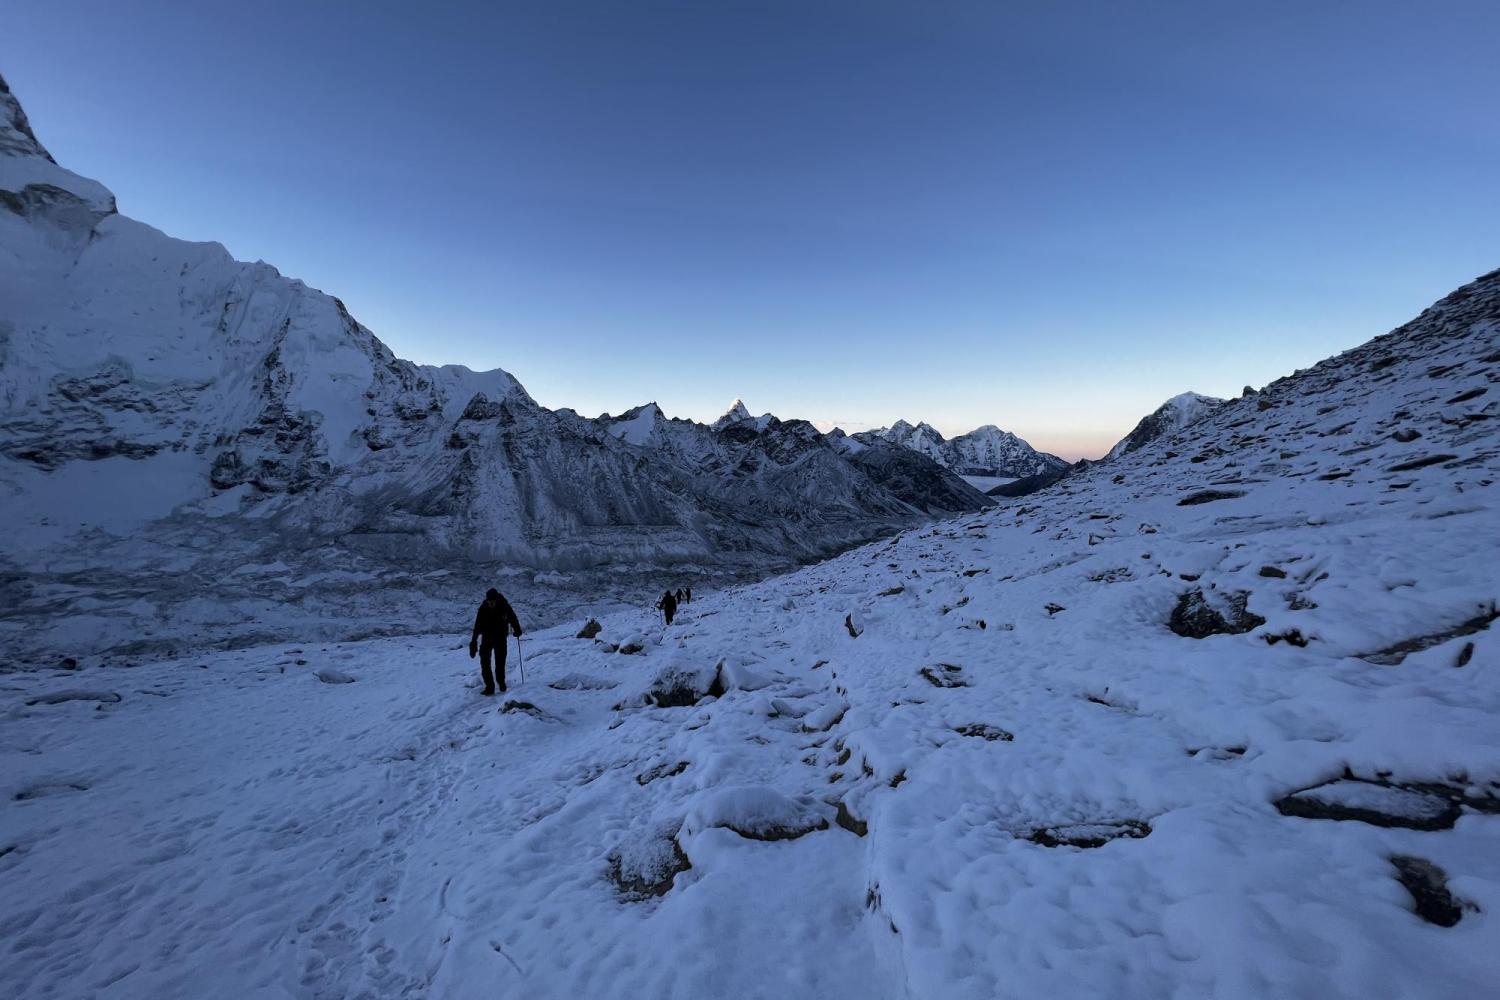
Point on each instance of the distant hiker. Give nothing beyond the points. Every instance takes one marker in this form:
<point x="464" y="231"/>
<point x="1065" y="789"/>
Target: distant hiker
<point x="679" y="595"/>
<point x="492" y="624"/>
<point x="668" y="606"/>
<point x="689" y="594"/>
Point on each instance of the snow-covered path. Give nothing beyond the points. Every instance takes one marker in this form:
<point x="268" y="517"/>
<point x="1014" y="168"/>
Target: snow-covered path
<point x="245" y="828"/>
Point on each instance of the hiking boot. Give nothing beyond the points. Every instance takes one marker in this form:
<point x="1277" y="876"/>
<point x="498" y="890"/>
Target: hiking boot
<point x="489" y="691"/>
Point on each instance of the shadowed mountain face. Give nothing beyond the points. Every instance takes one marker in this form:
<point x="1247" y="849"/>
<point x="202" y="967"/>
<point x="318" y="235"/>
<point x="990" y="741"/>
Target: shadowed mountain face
<point x="1172" y="416"/>
<point x="152" y="386"/>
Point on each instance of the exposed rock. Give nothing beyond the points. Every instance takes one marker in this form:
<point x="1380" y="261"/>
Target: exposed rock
<point x="892" y="592"/>
<point x="1208" y="496"/>
<point x="855" y="631"/>
<point x="1420" y="463"/>
<point x="661" y="771"/>
<point x="644" y="868"/>
<point x="757" y="812"/>
<point x="1428" y="885"/>
<point x="844" y="818"/>
<point x="1393" y="655"/>
<point x="1089" y="834"/>
<point x="1375" y="802"/>
<point x="984" y="731"/>
<point x="1292" y="637"/>
<point x="1406" y="435"/>
<point x="1053" y="609"/>
<point x="945" y="675"/>
<point x="1195" y="618"/>
<point x="681" y="685"/>
<point x="590" y="629"/>
<point x="329" y="675"/>
<point x="1273" y="572"/>
<point x="1464" y="397"/>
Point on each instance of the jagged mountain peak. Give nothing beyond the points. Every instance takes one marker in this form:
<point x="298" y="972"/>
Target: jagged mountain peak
<point x="738" y="412"/>
<point x="33" y="184"/>
<point x="986" y="451"/>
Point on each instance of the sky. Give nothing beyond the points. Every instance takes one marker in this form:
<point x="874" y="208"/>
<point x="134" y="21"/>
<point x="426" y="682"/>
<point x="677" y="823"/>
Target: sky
<point x="1045" y="216"/>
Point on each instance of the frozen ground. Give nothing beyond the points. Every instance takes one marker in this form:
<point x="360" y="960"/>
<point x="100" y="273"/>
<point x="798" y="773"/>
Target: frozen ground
<point x="158" y="601"/>
<point x="1215" y="720"/>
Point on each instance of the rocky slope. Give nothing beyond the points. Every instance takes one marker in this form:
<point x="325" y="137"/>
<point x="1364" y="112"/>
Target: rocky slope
<point x="1172" y="416"/>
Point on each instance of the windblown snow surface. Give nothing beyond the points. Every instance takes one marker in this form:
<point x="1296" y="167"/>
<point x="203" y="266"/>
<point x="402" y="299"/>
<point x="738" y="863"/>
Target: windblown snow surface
<point x="983" y="759"/>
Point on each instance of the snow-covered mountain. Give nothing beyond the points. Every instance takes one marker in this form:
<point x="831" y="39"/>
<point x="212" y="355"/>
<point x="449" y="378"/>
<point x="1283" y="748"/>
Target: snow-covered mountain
<point x="1214" y="725"/>
<point x="984" y="452"/>
<point x="1172" y="416"/>
<point x="158" y="391"/>
<point x="721" y="459"/>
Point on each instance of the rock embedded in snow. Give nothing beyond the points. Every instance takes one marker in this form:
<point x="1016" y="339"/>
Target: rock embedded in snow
<point x="646" y="867"/>
<point x="757" y="812"/>
<point x="1089" y="835"/>
<point x="985" y="731"/>
<point x="1376" y="803"/>
<point x="1195" y="617"/>
<point x="944" y="675"/>
<point x="328" y="675"/>
<point x="1428" y="885"/>
<point x="680" y="684"/>
<point x="1209" y="496"/>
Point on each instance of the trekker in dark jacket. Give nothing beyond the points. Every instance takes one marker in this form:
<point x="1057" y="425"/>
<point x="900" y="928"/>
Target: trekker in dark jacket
<point x="668" y="605"/>
<point x="492" y="624"/>
<point x="689" y="594"/>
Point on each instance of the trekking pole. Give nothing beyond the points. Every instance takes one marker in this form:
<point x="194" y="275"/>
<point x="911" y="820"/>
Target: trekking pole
<point x="520" y="660"/>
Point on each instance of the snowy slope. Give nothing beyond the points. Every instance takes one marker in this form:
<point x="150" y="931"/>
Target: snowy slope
<point x="168" y="413"/>
<point x="1178" y="727"/>
<point x="1172" y="416"/>
<point x="986" y="452"/>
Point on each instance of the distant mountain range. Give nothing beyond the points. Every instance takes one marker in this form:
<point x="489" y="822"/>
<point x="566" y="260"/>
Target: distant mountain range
<point x="987" y="451"/>
<point x="153" y="389"/>
<point x="156" y="390"/>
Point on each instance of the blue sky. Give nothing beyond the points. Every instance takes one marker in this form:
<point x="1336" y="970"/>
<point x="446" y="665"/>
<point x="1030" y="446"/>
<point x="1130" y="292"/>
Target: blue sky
<point x="1046" y="216"/>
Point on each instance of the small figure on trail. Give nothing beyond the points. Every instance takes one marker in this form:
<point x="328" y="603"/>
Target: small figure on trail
<point x="679" y="595"/>
<point x="492" y="625"/>
<point x="689" y="591"/>
<point x="668" y="606"/>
